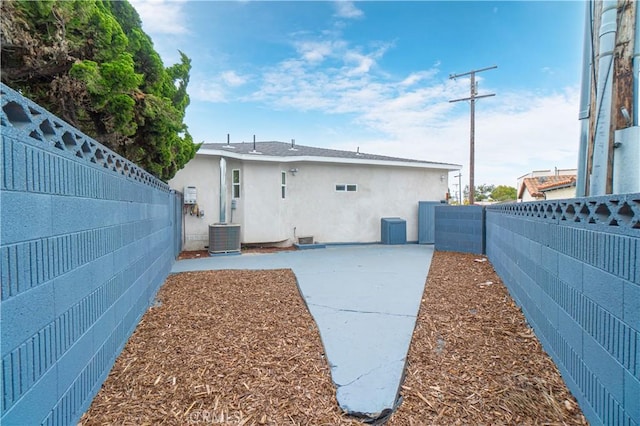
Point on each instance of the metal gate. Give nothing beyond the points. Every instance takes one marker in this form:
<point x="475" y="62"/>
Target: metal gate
<point x="426" y="221"/>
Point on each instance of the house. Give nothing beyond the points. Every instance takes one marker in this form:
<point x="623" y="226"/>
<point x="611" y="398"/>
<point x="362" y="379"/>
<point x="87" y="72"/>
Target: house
<point x="547" y="185"/>
<point x="279" y="192"/>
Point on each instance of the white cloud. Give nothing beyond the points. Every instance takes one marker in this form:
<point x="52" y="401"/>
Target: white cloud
<point x="410" y="115"/>
<point x="510" y="140"/>
<point x="352" y="60"/>
<point x="361" y="64"/>
<point x="231" y="78"/>
<point x="416" y="77"/>
<point x="317" y="51"/>
<point x="217" y="88"/>
<point x="346" y="9"/>
<point x="161" y="16"/>
<point x="208" y="91"/>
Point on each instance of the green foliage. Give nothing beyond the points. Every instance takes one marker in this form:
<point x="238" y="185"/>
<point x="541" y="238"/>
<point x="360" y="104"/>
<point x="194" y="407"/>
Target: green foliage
<point x="483" y="192"/>
<point x="504" y="193"/>
<point x="487" y="192"/>
<point x="89" y="72"/>
<point x="90" y="62"/>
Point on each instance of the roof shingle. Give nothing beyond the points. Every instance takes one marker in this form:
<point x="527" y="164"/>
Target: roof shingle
<point x="283" y="149"/>
<point x="537" y="185"/>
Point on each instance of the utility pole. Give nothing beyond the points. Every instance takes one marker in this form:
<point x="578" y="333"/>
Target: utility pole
<point x="623" y="80"/>
<point x="612" y="102"/>
<point x="459" y="175"/>
<point x="473" y="95"/>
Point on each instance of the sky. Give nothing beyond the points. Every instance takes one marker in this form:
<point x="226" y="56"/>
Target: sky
<point x="375" y="75"/>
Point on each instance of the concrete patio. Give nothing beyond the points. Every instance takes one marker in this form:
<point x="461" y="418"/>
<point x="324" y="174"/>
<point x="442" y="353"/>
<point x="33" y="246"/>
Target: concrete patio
<point x="365" y="300"/>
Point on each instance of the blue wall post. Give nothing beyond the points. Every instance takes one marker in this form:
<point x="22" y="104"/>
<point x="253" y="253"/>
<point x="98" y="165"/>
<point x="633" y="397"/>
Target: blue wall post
<point x="460" y="228"/>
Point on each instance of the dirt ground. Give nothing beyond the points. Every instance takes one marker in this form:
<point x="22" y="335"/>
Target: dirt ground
<point x="240" y="348"/>
<point x="245" y="249"/>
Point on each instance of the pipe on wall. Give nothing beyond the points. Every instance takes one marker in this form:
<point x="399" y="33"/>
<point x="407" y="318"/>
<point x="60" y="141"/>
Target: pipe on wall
<point x="223" y="190"/>
<point x="585" y="102"/>
<point x="607" y="38"/>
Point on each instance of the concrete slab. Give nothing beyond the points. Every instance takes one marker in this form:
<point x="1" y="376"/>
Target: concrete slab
<point x="365" y="301"/>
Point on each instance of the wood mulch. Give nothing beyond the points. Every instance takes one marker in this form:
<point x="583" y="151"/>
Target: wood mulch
<point x="240" y="348"/>
<point x="474" y="360"/>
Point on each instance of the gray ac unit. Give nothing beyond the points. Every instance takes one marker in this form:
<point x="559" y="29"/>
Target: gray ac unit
<point x="224" y="238"/>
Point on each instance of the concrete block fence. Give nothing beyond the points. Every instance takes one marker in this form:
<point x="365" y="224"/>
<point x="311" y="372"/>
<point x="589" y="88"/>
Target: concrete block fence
<point x="86" y="239"/>
<point x="573" y="267"/>
<point x="459" y="228"/>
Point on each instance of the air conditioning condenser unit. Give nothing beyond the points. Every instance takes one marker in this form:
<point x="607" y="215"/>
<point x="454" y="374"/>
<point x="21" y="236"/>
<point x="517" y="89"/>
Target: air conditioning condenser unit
<point x="224" y="238"/>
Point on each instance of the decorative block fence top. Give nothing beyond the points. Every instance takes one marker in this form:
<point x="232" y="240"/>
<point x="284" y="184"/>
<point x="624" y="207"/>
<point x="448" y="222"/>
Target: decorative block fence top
<point x="27" y="117"/>
<point x="617" y="213"/>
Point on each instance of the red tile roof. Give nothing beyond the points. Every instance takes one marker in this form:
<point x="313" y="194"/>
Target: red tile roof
<point x="537" y="185"/>
<point x="559" y="183"/>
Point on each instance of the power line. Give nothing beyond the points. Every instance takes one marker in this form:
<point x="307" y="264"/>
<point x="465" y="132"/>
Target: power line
<point x="473" y="95"/>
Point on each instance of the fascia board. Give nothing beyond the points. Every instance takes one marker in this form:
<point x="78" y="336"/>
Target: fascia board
<point x="333" y="160"/>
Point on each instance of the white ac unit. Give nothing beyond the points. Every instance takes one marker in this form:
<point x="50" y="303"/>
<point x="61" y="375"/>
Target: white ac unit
<point x="224" y="238"/>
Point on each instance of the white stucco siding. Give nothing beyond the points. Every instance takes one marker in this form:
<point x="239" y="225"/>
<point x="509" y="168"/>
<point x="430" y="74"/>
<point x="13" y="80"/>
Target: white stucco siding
<point x="204" y="174"/>
<point x="562" y="193"/>
<point x="317" y="209"/>
<point x="555" y="194"/>
<point x="526" y="196"/>
<point x="233" y="215"/>
<point x="265" y="218"/>
<point x="312" y="206"/>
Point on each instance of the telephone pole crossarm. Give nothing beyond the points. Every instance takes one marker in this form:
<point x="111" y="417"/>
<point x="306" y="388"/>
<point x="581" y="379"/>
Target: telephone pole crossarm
<point x="472" y="72"/>
<point x="473" y="95"/>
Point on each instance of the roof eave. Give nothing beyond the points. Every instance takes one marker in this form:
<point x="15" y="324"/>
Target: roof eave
<point x="318" y="159"/>
<point x="556" y="187"/>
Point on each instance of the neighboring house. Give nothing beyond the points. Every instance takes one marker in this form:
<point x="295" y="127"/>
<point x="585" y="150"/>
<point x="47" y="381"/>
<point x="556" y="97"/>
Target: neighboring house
<point x="279" y="192"/>
<point x="547" y="185"/>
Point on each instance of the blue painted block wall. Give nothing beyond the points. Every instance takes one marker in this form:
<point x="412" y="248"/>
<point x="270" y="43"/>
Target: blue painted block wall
<point x="573" y="268"/>
<point x="426" y="221"/>
<point x="86" y="239"/>
<point x="459" y="228"/>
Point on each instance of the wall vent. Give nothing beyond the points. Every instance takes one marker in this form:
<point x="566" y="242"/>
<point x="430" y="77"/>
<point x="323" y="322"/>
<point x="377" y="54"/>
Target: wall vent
<point x="305" y="240"/>
<point x="224" y="238"/>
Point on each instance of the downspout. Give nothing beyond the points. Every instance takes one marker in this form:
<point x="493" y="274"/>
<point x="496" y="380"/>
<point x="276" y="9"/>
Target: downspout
<point x="607" y="37"/>
<point x="585" y="101"/>
<point x="223" y="190"/>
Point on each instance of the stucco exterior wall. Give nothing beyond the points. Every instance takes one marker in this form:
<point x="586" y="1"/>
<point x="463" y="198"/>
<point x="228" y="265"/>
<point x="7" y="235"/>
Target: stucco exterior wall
<point x="562" y="193"/>
<point x="264" y="213"/>
<point x="556" y="194"/>
<point x="312" y="206"/>
<point x="527" y="197"/>
<point x="317" y="209"/>
<point x="204" y="174"/>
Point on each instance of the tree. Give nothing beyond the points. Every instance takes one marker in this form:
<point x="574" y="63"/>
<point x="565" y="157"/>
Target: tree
<point x="504" y="193"/>
<point x="89" y="62"/>
<point x="483" y="192"/>
<point x="487" y="192"/>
